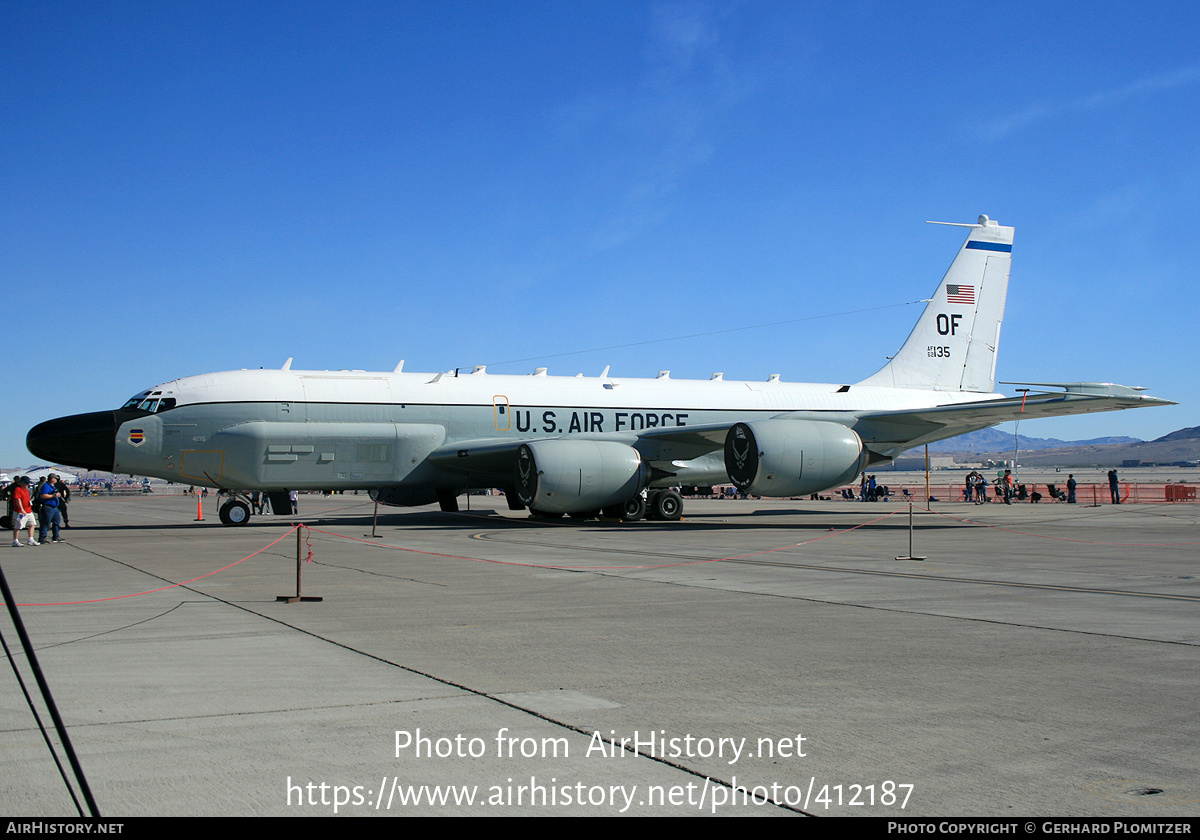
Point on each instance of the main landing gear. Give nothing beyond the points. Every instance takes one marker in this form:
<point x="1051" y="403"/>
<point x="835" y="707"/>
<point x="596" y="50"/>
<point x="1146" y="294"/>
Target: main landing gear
<point x="657" y="505"/>
<point x="234" y="512"/>
<point x="665" y="506"/>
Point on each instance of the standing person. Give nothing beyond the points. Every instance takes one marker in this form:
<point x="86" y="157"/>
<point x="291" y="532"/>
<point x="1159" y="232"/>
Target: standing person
<point x="65" y="490"/>
<point x="862" y="488"/>
<point x="22" y="511"/>
<point x="35" y="496"/>
<point x="1113" y="487"/>
<point x="1071" y="485"/>
<point x="1008" y="487"/>
<point x="51" y="519"/>
<point x="294" y="498"/>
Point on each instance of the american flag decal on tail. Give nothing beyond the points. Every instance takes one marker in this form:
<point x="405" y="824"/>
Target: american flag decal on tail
<point x="960" y="294"/>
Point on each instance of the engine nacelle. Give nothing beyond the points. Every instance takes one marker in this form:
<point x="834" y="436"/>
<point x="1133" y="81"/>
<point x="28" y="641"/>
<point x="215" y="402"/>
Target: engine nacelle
<point x="792" y="457"/>
<point x="572" y="476"/>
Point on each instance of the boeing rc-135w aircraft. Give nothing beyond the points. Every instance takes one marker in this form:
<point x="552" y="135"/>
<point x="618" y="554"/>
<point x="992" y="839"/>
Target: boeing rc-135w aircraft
<point x="577" y="445"/>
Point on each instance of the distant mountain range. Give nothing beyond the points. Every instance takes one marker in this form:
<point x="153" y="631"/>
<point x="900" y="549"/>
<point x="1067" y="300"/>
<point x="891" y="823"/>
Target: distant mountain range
<point x="1190" y="433"/>
<point x="994" y="440"/>
<point x="1178" y="446"/>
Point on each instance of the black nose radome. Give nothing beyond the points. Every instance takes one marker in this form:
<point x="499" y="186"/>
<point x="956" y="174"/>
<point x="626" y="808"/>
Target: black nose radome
<point x="81" y="440"/>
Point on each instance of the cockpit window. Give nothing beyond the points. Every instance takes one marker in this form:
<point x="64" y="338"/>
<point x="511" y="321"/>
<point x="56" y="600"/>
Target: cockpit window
<point x="152" y="404"/>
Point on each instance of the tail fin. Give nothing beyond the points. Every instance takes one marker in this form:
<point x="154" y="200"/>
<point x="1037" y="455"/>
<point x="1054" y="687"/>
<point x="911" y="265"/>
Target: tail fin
<point x="953" y="345"/>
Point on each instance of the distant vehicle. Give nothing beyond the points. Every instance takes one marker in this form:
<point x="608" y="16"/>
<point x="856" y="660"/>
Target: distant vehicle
<point x="577" y="445"/>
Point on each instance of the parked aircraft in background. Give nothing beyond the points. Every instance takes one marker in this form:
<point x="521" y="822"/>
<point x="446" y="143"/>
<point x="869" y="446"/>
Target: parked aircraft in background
<point x="577" y="445"/>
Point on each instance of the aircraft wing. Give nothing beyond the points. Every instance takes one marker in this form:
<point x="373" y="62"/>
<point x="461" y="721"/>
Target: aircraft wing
<point x="885" y="433"/>
<point x="495" y="457"/>
<point x="681" y="443"/>
<point x="889" y="433"/>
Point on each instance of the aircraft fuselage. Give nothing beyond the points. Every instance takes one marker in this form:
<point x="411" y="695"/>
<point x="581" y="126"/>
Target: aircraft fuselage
<point x="284" y="429"/>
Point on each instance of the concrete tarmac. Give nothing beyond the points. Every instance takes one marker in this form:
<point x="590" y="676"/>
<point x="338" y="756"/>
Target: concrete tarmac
<point x="758" y="658"/>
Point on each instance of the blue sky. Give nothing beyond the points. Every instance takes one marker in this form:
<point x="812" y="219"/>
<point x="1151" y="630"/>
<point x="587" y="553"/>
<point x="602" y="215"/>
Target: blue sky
<point x="192" y="187"/>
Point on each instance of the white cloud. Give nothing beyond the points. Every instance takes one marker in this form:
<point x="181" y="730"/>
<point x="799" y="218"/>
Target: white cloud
<point x="1113" y="97"/>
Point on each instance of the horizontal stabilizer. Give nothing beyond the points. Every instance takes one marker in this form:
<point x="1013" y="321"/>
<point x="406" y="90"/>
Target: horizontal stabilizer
<point x="1096" y="389"/>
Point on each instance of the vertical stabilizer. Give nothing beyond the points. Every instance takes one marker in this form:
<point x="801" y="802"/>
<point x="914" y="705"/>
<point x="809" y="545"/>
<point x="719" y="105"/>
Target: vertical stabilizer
<point x="953" y="345"/>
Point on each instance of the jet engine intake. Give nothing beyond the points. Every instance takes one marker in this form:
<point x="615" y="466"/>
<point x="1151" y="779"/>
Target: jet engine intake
<point x="571" y="476"/>
<point x="784" y="457"/>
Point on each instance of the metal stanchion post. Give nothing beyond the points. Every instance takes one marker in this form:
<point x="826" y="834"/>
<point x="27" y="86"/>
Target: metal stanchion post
<point x="910" y="556"/>
<point x="291" y="599"/>
<point x="374" y="519"/>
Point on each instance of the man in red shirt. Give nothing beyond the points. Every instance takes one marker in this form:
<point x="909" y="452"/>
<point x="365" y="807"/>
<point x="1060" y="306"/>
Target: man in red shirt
<point x="22" y="511"/>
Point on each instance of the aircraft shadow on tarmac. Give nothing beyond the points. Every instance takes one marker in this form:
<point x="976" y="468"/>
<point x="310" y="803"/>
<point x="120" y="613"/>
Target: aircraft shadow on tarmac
<point x="805" y="521"/>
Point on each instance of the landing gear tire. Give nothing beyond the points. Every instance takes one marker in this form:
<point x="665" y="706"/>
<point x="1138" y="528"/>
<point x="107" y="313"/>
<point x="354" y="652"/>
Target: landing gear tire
<point x="544" y="514"/>
<point x="234" y="512"/>
<point x="666" y="506"/>
<point x="634" y="509"/>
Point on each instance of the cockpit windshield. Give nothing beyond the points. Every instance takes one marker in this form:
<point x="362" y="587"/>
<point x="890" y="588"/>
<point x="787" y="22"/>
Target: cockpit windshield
<point x="151" y="401"/>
